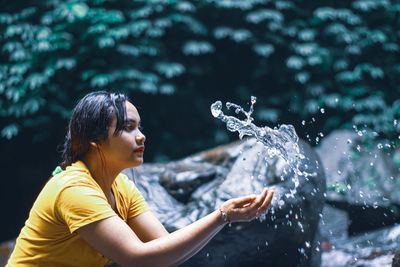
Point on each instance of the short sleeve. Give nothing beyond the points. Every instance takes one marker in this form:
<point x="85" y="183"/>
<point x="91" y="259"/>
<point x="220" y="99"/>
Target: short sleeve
<point x="80" y="205"/>
<point x="137" y="203"/>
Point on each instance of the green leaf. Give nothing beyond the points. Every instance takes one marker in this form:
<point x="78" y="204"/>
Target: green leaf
<point x="169" y="69"/>
<point x="264" y="50"/>
<point x="101" y="80"/>
<point x="302" y="77"/>
<point x="241" y="35"/>
<point x="10" y="131"/>
<point x="295" y="62"/>
<point x="196" y="48"/>
<point x="167" y="89"/>
<point x="66" y="63"/>
<point x="222" y="32"/>
<point x="264" y="14"/>
<point x="32" y="105"/>
<point x="105" y="42"/>
<point x="79" y="9"/>
<point x="36" y="80"/>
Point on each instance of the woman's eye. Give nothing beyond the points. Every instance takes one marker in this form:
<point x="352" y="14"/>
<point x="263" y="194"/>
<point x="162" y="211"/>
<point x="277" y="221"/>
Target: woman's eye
<point x="128" y="128"/>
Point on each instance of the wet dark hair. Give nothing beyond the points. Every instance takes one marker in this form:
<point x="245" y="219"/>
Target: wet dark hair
<point x="90" y="122"/>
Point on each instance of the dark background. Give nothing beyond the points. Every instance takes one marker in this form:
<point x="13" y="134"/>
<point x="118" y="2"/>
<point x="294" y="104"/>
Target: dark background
<point x="174" y="59"/>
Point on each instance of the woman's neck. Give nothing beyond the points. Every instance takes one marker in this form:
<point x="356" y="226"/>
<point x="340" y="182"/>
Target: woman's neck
<point x="103" y="175"/>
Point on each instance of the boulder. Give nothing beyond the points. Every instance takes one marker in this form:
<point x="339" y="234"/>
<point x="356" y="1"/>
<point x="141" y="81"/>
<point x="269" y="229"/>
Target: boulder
<point x="6" y="248"/>
<point x="375" y="248"/>
<point x="182" y="192"/>
<point x="363" y="182"/>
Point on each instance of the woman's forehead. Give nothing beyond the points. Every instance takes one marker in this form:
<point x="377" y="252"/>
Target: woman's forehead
<point x="131" y="112"/>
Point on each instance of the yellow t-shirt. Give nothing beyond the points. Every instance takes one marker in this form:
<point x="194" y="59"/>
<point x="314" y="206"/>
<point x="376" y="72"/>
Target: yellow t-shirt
<point x="70" y="200"/>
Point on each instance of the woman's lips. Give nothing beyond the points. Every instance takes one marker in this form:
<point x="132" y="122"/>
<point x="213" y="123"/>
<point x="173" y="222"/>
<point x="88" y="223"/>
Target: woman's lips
<point x="139" y="150"/>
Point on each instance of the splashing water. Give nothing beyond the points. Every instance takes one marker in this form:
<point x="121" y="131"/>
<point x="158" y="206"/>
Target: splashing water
<point x="280" y="141"/>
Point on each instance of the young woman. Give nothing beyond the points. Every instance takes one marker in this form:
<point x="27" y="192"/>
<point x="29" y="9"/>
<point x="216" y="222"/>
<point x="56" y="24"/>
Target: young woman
<point x="89" y="214"/>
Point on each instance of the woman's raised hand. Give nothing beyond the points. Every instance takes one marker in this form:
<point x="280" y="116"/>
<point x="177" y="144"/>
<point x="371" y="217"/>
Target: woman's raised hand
<point x="245" y="209"/>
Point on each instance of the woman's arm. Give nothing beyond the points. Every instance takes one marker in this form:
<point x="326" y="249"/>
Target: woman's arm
<point x="113" y="237"/>
<point x="147" y="227"/>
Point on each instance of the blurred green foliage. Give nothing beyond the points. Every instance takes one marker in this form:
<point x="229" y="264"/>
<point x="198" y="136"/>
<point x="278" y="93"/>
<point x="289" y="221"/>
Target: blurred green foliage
<point x="337" y="61"/>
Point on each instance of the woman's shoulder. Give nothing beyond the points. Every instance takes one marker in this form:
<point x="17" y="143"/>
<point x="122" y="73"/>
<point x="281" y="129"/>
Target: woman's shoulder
<point x="123" y="181"/>
<point x="75" y="174"/>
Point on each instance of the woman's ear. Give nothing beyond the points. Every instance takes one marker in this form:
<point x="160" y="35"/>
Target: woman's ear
<point x="94" y="145"/>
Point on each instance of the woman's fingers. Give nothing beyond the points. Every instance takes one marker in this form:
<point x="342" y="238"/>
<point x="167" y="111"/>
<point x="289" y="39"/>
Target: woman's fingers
<point x="267" y="201"/>
<point x="240" y="202"/>
<point x="249" y="207"/>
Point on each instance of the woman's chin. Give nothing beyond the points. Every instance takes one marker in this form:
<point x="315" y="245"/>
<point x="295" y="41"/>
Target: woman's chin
<point x="136" y="163"/>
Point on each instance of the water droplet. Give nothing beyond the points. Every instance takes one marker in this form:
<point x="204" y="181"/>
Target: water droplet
<point x="307" y="244"/>
<point x="358" y="148"/>
<point x="336" y="100"/>
<point x="380" y="146"/>
<point x="216" y="109"/>
<point x="360" y="133"/>
<point x="339" y="172"/>
<point x="303" y="122"/>
<point x="266" y="243"/>
<point x="349" y="141"/>
<point x="253" y="100"/>
<point x="349" y="186"/>
<point x="322" y="110"/>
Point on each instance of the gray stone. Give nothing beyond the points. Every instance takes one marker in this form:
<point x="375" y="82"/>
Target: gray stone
<point x="375" y="248"/>
<point x="287" y="236"/>
<point x="357" y="175"/>
<point x="334" y="225"/>
<point x="363" y="182"/>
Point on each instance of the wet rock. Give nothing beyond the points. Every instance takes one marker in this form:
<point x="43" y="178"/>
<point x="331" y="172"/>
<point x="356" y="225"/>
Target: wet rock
<point x="364" y="183"/>
<point x="5" y="251"/>
<point x="288" y="235"/>
<point x="182" y="178"/>
<point x="372" y="249"/>
<point x="396" y="259"/>
<point x="333" y="225"/>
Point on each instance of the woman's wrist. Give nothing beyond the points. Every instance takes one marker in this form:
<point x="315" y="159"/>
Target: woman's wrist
<point x="224" y="216"/>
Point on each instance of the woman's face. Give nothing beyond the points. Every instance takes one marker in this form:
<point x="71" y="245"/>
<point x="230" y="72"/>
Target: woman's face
<point x="124" y="150"/>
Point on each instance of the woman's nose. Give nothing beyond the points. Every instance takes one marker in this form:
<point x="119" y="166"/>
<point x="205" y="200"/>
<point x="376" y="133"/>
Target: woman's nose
<point x="141" y="138"/>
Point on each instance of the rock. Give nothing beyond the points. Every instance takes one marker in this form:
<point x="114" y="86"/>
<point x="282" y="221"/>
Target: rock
<point x="358" y="176"/>
<point x="372" y="249"/>
<point x="364" y="183"/>
<point x="5" y="251"/>
<point x="288" y="235"/>
<point x="396" y="259"/>
<point x="334" y="225"/>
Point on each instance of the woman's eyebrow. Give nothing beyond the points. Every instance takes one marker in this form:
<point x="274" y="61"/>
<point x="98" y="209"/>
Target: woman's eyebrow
<point x="130" y="120"/>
